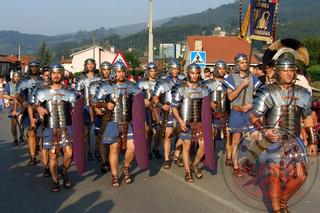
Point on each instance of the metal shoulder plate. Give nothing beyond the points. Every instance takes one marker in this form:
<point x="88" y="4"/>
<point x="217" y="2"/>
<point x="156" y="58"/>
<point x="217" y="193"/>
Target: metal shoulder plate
<point x="102" y="91"/>
<point x="22" y="85"/>
<point x="211" y="84"/>
<point x="143" y="84"/>
<point x="304" y="97"/>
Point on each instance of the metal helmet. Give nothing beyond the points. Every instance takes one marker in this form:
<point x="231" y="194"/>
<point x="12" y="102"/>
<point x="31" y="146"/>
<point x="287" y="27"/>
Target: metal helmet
<point x="119" y="66"/>
<point x="163" y="75"/>
<point x="239" y="57"/>
<point x="56" y="67"/>
<point x="218" y="64"/>
<point x="89" y="61"/>
<point x="284" y="63"/>
<point x="33" y="63"/>
<point x="192" y="67"/>
<point x="152" y="65"/>
<point x="174" y="64"/>
<point x="106" y="65"/>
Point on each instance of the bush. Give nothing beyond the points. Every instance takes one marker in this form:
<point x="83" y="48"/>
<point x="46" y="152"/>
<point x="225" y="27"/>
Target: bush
<point x="314" y="72"/>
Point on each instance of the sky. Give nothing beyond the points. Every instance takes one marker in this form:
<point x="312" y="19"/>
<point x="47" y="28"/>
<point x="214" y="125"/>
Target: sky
<point x="53" y="17"/>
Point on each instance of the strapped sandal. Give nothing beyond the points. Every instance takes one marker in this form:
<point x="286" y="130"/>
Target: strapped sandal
<point x="189" y="177"/>
<point x="97" y="155"/>
<point x="237" y="172"/>
<point x="115" y="181"/>
<point x="157" y="154"/>
<point x="195" y="169"/>
<point x="33" y="161"/>
<point x="15" y="142"/>
<point x="55" y="186"/>
<point x="46" y="172"/>
<point x="66" y="180"/>
<point x="167" y="164"/>
<point x="104" y="168"/>
<point x="284" y="206"/>
<point x="177" y="160"/>
<point x="229" y="163"/>
<point x="126" y="175"/>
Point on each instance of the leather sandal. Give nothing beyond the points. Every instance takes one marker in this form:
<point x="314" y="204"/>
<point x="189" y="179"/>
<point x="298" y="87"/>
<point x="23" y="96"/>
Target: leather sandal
<point x="115" y="181"/>
<point x="196" y="170"/>
<point x="126" y="175"/>
<point x="188" y="177"/>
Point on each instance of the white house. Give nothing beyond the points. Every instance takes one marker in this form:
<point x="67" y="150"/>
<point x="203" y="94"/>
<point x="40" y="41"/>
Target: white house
<point x="95" y="52"/>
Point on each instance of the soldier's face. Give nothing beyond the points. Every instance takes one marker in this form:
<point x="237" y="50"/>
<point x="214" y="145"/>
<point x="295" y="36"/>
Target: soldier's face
<point x="175" y="71"/>
<point x="243" y="65"/>
<point x="34" y="69"/>
<point x="46" y="76"/>
<point x="221" y="71"/>
<point x="153" y="73"/>
<point x="90" y="67"/>
<point x="287" y="76"/>
<point x="56" y="77"/>
<point x="120" y="75"/>
<point x="207" y="74"/>
<point x="194" y="76"/>
<point x="16" y="78"/>
<point x="105" y="73"/>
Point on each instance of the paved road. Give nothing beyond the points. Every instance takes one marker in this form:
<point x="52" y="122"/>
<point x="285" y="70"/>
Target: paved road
<point x="23" y="189"/>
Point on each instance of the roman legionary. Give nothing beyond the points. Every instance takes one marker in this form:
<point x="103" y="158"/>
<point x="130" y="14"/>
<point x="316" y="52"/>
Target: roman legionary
<point x="25" y="91"/>
<point x="10" y="94"/>
<point x="124" y="129"/>
<point x="100" y="148"/>
<point x="188" y="102"/>
<point x="147" y="87"/>
<point x="282" y="105"/>
<point x="162" y="98"/>
<point x="220" y="104"/>
<point x="241" y="86"/>
<point x="88" y="76"/>
<point x="54" y="104"/>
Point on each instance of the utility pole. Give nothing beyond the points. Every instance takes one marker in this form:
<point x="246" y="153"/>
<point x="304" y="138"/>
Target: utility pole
<point x="94" y="45"/>
<point x="150" y="54"/>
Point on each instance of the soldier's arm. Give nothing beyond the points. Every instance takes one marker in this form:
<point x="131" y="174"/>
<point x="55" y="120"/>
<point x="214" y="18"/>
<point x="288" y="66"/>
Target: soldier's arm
<point x="233" y="94"/>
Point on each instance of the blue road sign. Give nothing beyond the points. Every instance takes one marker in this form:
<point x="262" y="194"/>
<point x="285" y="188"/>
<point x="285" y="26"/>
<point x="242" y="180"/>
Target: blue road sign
<point x="198" y="57"/>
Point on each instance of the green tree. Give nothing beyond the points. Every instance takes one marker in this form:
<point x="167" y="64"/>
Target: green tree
<point x="313" y="46"/>
<point x="132" y="59"/>
<point x="44" y="56"/>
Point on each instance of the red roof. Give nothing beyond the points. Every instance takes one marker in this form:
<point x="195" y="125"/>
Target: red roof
<point x="221" y="48"/>
<point x="25" y="59"/>
<point x="5" y="59"/>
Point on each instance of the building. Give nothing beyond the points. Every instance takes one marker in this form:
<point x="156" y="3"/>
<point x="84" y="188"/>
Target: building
<point x="171" y="50"/>
<point x="97" y="53"/>
<point x="67" y="64"/>
<point x="11" y="62"/>
<point x="218" y="48"/>
<point x="5" y="64"/>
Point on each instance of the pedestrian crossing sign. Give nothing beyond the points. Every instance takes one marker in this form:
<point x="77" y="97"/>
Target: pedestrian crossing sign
<point x="198" y="57"/>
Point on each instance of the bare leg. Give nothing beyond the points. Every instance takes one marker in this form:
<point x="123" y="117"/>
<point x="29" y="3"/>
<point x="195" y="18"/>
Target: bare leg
<point x="186" y="154"/>
<point x="228" y="144"/>
<point x="167" y="143"/>
<point x="53" y="165"/>
<point x="129" y="153"/>
<point x="14" y="129"/>
<point x="275" y="186"/>
<point x="235" y="149"/>
<point x="113" y="158"/>
<point x="32" y="139"/>
<point x="200" y="152"/>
